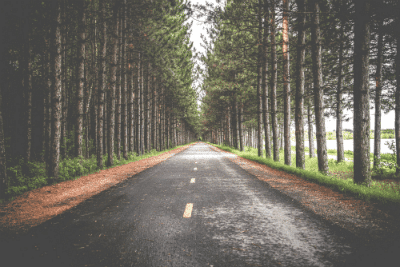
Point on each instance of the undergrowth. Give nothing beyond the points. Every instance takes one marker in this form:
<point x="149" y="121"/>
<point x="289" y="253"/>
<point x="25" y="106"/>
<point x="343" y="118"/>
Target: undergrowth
<point x="340" y="177"/>
<point x="69" y="169"/>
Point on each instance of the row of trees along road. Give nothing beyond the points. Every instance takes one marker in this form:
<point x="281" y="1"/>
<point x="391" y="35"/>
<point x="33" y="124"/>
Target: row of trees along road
<point x="81" y="78"/>
<point x="273" y="61"/>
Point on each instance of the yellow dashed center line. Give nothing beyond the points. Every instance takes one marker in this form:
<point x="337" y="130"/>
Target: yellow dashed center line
<point x="193" y="180"/>
<point x="188" y="210"/>
<point x="195" y="169"/>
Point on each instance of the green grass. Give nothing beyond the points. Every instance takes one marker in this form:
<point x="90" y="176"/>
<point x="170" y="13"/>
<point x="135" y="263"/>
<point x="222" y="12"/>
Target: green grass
<point x="340" y="177"/>
<point x="69" y="169"/>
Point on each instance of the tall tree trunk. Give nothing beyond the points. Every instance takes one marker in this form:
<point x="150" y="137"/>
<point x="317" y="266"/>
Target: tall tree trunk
<point x="124" y="84"/>
<point x="167" y="127"/>
<point x="119" y="87"/>
<point x="339" y="109"/>
<point x="28" y="87"/>
<point x="274" y="78"/>
<point x="163" y="95"/>
<point x="397" y="95"/>
<point x="286" y="84"/>
<point x="146" y="107"/>
<point x="175" y="127"/>
<point x="3" y="162"/>
<point x="142" y="111"/>
<point x="310" y="130"/>
<point x="378" y="92"/>
<point x="45" y="69"/>
<point x="318" y="91"/>
<point x="56" y="93"/>
<point x="153" y="113"/>
<point x="131" y="105"/>
<point x="265" y="81"/>
<point x="105" y="120"/>
<point x="301" y="49"/>
<point x="259" y="80"/>
<point x="241" y="128"/>
<point x="361" y="119"/>
<point x="102" y="85"/>
<point x="111" y="95"/>
<point x="138" y="108"/>
<point x="228" y="125"/>
<point x="48" y="111"/>
<point x="80" y="78"/>
<point x="234" y="122"/>
<point x="64" y="122"/>
<point x="237" y="125"/>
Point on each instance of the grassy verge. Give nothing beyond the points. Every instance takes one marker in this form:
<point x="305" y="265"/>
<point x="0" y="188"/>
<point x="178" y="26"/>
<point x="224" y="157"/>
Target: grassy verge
<point x="340" y="177"/>
<point x="70" y="169"/>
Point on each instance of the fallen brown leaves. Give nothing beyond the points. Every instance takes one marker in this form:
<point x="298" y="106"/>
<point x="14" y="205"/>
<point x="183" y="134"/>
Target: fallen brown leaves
<point x="39" y="205"/>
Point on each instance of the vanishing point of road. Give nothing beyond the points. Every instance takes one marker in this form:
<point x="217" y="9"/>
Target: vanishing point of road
<point x="195" y="209"/>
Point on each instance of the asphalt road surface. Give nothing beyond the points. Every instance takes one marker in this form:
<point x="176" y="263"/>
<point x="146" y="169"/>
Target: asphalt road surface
<point x="195" y="209"/>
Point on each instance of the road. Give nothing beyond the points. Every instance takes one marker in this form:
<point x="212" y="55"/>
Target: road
<point x="195" y="209"/>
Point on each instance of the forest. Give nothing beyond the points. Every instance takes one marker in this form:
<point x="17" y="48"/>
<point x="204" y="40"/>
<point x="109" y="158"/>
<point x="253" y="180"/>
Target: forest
<point x="271" y="65"/>
<point x="91" y="84"/>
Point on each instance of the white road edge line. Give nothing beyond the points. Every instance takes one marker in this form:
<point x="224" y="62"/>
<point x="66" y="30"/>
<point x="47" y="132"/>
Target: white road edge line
<point x="193" y="180"/>
<point x="188" y="210"/>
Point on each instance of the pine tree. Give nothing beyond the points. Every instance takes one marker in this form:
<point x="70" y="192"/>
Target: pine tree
<point x="362" y="174"/>
<point x="300" y="80"/>
<point x="55" y="92"/>
<point x="318" y="90"/>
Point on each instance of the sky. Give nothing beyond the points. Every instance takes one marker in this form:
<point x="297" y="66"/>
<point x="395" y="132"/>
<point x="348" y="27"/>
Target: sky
<point x="198" y="28"/>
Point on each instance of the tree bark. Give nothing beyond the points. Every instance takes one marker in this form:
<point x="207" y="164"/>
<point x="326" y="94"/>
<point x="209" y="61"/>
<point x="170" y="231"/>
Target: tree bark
<point x="310" y="130"/>
<point x="378" y="92"/>
<point x="234" y="122"/>
<point x="80" y="78"/>
<point x="146" y="107"/>
<point x="274" y="77"/>
<point x="102" y="86"/>
<point x="124" y="85"/>
<point x="265" y="81"/>
<point x="286" y="84"/>
<point x="56" y="93"/>
<point x="361" y="119"/>
<point x="138" y="108"/>
<point x="153" y="113"/>
<point x="318" y="91"/>
<point x="119" y="88"/>
<point x="3" y="163"/>
<point x="142" y="111"/>
<point x="301" y="49"/>
<point x="113" y="88"/>
<point x="241" y="128"/>
<point x="48" y="111"/>
<point x="28" y="88"/>
<point x="131" y="93"/>
<point x="259" y="80"/>
<point x="64" y="122"/>
<point x="339" y="109"/>
<point x="397" y="96"/>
